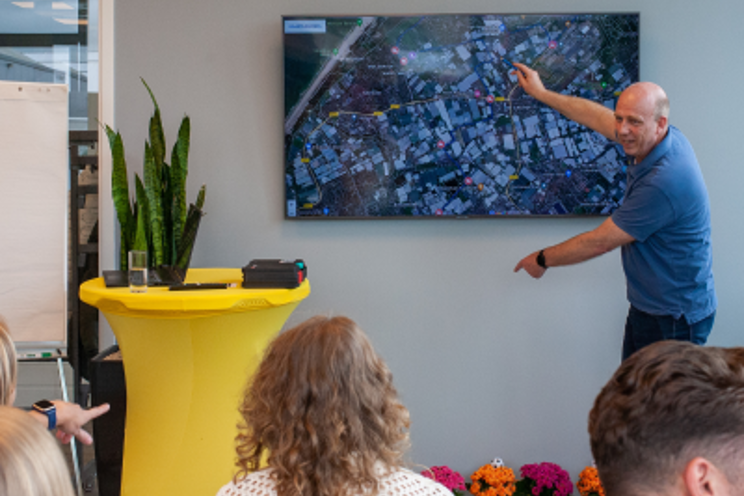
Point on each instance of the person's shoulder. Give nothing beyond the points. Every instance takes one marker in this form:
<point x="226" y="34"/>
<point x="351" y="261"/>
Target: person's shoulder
<point x="259" y="482"/>
<point x="680" y="147"/>
<point x="678" y="165"/>
<point x="677" y="134"/>
<point x="404" y="482"/>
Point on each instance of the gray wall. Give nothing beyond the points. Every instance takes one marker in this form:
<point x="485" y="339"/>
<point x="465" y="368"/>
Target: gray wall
<point x="490" y="363"/>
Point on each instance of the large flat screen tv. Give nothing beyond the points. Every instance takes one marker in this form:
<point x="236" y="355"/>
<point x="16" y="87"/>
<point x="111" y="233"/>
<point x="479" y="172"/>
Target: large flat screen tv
<point x="421" y="116"/>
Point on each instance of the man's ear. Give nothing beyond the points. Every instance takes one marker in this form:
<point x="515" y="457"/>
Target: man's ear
<point x="661" y="123"/>
<point x="702" y="478"/>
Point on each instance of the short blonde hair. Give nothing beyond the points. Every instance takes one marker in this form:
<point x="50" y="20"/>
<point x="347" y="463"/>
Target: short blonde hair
<point x="8" y="365"/>
<point x="31" y="463"/>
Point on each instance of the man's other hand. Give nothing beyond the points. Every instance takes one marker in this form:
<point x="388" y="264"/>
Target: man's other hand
<point x="529" y="264"/>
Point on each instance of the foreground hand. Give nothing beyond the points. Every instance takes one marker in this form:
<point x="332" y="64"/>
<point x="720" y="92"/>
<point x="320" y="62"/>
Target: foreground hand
<point x="529" y="264"/>
<point x="71" y="418"/>
<point x="529" y="80"/>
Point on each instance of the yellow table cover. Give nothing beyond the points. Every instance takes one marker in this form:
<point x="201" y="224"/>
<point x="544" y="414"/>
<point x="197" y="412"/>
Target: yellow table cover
<point x="187" y="356"/>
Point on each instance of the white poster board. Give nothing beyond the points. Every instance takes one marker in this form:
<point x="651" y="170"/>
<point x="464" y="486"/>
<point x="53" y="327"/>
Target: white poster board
<point x="33" y="212"/>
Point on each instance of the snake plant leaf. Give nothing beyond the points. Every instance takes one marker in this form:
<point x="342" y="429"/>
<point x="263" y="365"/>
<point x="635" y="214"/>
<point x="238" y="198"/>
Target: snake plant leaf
<point x="157" y="139"/>
<point x="111" y="134"/>
<point x="157" y="136"/>
<point x="169" y="250"/>
<point x="183" y="143"/>
<point x="200" y="197"/>
<point x="189" y="236"/>
<point x="179" y="171"/>
<point x="123" y="259"/>
<point x="155" y="210"/>
<point x="152" y="95"/>
<point x="179" y="211"/>
<point x="140" y="240"/>
<point x="120" y="191"/>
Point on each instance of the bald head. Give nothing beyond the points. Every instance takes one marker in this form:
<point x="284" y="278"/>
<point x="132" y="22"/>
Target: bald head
<point x="648" y="97"/>
<point x="641" y="119"/>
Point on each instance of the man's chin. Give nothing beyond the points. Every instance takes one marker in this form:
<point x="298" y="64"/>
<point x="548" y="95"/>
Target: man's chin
<point x="630" y="150"/>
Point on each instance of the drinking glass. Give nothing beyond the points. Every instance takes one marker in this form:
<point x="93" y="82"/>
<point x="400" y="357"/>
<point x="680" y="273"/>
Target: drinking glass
<point x="138" y="271"/>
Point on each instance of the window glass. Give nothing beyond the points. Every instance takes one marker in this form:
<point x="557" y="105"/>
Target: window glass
<point x="54" y="42"/>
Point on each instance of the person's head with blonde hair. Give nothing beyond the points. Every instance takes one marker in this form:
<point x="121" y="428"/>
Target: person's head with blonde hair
<point x="31" y="463"/>
<point x="322" y="411"/>
<point x="8" y="366"/>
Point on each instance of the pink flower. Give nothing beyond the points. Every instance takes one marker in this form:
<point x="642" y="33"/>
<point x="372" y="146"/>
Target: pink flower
<point x="548" y="476"/>
<point x="445" y="476"/>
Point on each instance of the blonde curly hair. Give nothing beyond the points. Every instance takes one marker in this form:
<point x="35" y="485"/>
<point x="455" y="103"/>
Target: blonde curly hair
<point x="323" y="412"/>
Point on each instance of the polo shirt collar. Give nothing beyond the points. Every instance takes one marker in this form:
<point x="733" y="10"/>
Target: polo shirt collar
<point x="638" y="170"/>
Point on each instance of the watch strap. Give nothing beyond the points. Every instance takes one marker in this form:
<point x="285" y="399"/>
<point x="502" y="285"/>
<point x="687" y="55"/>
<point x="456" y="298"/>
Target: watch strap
<point x="541" y="259"/>
<point x="49" y="411"/>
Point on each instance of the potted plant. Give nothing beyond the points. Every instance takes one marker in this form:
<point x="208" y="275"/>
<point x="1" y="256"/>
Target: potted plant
<point x="543" y="479"/>
<point x="158" y="221"/>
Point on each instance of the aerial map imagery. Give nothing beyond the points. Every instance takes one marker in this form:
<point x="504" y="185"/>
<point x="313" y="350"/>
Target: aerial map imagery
<point x="422" y="116"/>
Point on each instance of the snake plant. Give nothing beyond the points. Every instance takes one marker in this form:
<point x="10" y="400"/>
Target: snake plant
<point x="158" y="221"/>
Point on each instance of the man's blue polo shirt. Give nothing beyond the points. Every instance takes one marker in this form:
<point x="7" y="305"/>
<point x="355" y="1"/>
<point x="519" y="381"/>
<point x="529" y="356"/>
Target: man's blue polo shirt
<point x="666" y="210"/>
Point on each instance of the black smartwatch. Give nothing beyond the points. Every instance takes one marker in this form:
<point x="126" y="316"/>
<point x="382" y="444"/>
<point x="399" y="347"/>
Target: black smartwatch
<point x="47" y="408"/>
<point x="541" y="259"/>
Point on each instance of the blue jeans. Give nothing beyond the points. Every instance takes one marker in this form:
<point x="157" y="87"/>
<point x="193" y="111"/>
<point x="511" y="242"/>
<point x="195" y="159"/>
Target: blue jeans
<point x="642" y="329"/>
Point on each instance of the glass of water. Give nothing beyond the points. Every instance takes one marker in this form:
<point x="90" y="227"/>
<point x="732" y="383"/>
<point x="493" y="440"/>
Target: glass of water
<point x="137" y="271"/>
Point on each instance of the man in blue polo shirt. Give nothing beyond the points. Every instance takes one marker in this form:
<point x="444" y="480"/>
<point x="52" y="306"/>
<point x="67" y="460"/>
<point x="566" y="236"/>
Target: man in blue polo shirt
<point x="663" y="225"/>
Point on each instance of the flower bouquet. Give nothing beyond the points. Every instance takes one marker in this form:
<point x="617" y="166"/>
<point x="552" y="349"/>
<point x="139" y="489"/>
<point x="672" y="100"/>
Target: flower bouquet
<point x="543" y="479"/>
<point x="589" y="483"/>
<point x="449" y="478"/>
<point x="493" y="481"/>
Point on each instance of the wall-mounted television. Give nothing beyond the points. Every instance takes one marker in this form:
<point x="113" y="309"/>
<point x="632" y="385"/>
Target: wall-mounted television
<point x="421" y="116"/>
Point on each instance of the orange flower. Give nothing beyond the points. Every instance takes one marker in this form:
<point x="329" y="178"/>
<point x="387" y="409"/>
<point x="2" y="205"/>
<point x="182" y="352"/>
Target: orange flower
<point x="493" y="481"/>
<point x="589" y="483"/>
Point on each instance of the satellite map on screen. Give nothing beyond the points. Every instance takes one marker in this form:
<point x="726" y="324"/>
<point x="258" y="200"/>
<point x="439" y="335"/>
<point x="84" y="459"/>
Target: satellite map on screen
<point x="411" y="116"/>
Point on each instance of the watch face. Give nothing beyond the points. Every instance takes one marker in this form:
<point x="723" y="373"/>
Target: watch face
<point x="43" y="405"/>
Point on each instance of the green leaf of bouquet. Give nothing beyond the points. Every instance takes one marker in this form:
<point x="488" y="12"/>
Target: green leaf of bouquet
<point x="523" y="487"/>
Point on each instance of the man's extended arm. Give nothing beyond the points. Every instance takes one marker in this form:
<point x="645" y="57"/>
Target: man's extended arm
<point x="578" y="249"/>
<point x="586" y="112"/>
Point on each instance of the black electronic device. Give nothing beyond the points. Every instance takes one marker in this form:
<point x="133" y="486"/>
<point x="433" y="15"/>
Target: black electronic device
<point x="274" y="273"/>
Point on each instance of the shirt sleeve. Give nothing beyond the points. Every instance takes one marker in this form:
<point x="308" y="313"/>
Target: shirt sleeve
<point x="646" y="210"/>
